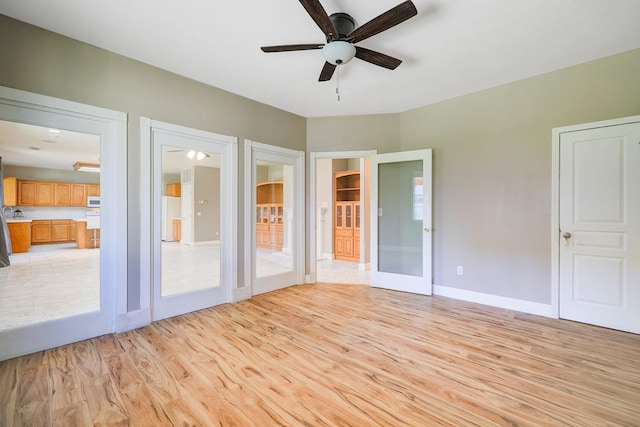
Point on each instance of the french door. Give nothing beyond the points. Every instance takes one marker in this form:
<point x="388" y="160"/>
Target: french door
<point x="599" y="209"/>
<point x="274" y="217"/>
<point x="86" y="285"/>
<point x="401" y="221"/>
<point x="194" y="264"/>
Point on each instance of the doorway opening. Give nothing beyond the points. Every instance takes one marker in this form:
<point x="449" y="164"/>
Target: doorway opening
<point x="340" y="206"/>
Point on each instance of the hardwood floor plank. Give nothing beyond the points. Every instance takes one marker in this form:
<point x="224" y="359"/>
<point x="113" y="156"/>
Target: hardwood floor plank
<point x="334" y="355"/>
<point x="33" y="402"/>
<point x="8" y="391"/>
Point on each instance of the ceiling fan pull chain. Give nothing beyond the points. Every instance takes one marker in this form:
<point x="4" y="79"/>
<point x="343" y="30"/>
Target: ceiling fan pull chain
<point x="338" y="82"/>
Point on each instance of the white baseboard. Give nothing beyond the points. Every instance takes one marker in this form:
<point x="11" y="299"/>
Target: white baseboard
<point x="364" y="266"/>
<point x="495" y="300"/>
<point x="241" y="294"/>
<point x="133" y="320"/>
<point x="207" y="243"/>
<point x="310" y="278"/>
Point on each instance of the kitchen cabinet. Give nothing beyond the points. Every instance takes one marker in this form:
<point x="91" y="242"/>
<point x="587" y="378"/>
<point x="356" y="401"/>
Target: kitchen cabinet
<point x="60" y="230"/>
<point x="346" y="232"/>
<point x="20" y="235"/>
<point x="36" y="193"/>
<point x="53" y="231"/>
<point x="61" y="194"/>
<point x="40" y="231"/>
<point x="93" y="190"/>
<point x="10" y="184"/>
<point x="69" y="194"/>
<point x="79" y="195"/>
<point x="173" y="190"/>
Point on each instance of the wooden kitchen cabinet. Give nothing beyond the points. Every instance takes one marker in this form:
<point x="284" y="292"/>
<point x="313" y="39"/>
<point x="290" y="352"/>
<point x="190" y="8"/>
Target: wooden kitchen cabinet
<point x="62" y="194"/>
<point x="20" y="235"/>
<point x="69" y="194"/>
<point x="10" y="184"/>
<point x="60" y="230"/>
<point x="40" y="231"/>
<point x="93" y="189"/>
<point x="79" y="195"/>
<point x="173" y="190"/>
<point x="36" y="193"/>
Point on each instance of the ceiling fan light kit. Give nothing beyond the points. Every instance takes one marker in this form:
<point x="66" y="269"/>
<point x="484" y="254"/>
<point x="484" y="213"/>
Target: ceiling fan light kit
<point x="342" y="35"/>
<point x="338" y="52"/>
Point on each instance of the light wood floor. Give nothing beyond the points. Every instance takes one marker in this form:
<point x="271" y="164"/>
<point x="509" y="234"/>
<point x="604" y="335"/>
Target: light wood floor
<point x="317" y="355"/>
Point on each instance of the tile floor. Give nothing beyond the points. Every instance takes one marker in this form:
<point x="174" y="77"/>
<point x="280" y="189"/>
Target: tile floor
<point x="54" y="281"/>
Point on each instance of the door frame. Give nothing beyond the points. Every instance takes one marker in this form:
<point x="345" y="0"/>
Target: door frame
<point x="31" y="108"/>
<point x="279" y="154"/>
<point x="150" y="233"/>
<point x="311" y="276"/>
<point x="555" y="198"/>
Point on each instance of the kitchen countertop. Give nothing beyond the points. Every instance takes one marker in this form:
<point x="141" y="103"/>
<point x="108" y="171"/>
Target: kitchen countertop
<point x="13" y="220"/>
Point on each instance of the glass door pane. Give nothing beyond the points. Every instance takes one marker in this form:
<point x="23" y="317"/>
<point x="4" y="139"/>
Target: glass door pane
<point x="399" y="233"/>
<point x="274" y="188"/>
<point x="190" y="220"/>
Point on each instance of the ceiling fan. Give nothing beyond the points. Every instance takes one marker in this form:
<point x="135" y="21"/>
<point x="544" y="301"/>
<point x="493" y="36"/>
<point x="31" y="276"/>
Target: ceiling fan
<point x="341" y="35"/>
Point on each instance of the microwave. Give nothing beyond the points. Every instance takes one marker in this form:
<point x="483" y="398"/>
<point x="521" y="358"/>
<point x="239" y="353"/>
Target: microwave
<point x="93" y="201"/>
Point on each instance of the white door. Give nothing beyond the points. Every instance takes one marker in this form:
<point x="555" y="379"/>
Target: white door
<point x="200" y="274"/>
<point x="274" y="220"/>
<point x="401" y="221"/>
<point x="600" y="226"/>
<point x="54" y="297"/>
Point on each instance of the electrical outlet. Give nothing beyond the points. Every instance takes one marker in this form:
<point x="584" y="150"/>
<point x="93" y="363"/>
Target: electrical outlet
<point x="460" y="270"/>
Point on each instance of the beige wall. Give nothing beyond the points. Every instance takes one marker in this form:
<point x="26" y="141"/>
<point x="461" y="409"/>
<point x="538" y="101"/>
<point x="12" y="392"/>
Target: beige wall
<point x="492" y="167"/>
<point x="42" y="62"/>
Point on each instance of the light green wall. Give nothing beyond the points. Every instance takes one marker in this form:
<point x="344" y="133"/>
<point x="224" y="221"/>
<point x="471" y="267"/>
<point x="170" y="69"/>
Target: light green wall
<point x="492" y="167"/>
<point x="42" y="62"/>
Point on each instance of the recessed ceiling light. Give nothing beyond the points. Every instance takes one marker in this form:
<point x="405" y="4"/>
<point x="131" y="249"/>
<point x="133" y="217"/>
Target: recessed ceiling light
<point x="49" y="141"/>
<point x="54" y="131"/>
<point x="34" y="148"/>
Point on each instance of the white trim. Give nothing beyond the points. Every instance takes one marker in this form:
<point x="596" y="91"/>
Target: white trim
<point x="241" y="294"/>
<point x="111" y="126"/>
<point x="364" y="266"/>
<point x="255" y="150"/>
<point x="133" y="320"/>
<point x="494" y="300"/>
<point x="555" y="197"/>
<point x="313" y="156"/>
<point x="207" y="243"/>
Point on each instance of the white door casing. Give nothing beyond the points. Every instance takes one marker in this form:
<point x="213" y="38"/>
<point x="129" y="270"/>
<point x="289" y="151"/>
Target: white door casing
<point x="599" y="226"/>
<point x="412" y="215"/>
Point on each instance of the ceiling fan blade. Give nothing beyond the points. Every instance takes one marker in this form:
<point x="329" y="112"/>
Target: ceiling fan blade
<point x="291" y="47"/>
<point x="377" y="58"/>
<point x="320" y="17"/>
<point x="327" y="72"/>
<point x="383" y="22"/>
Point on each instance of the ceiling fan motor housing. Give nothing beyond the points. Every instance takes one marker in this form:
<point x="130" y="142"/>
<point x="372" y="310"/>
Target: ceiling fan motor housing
<point x="343" y="23"/>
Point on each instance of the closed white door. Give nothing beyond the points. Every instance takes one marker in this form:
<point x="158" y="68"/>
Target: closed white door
<point x="600" y="226"/>
<point x="401" y="221"/>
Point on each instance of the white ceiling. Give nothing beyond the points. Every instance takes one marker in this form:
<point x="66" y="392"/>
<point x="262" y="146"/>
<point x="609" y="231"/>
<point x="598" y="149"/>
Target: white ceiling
<point x="451" y="48"/>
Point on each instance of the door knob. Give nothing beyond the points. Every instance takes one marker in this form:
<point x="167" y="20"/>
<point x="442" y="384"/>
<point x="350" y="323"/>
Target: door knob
<point x="566" y="237"/>
<point x="426" y="229"/>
